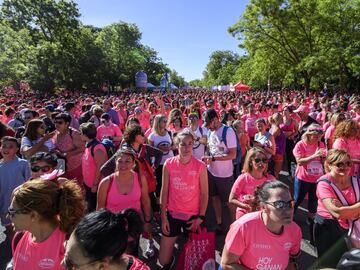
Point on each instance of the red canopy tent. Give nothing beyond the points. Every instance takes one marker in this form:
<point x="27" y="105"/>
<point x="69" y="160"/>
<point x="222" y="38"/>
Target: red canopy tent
<point x="240" y="87"/>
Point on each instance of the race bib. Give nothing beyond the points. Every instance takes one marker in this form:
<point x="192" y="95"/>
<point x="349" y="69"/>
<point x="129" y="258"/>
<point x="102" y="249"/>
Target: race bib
<point x="315" y="168"/>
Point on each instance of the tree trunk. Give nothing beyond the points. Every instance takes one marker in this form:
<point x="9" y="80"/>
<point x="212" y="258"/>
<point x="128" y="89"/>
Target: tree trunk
<point x="307" y="80"/>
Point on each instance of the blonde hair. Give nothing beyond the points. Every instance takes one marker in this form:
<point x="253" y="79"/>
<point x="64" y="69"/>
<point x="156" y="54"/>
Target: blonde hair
<point x="305" y="136"/>
<point x="60" y="202"/>
<point x="334" y="156"/>
<point x="275" y="118"/>
<point x="250" y="155"/>
<point x="156" y="124"/>
<point x="337" y="118"/>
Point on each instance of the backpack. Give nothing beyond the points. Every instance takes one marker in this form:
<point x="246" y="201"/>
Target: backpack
<point x="146" y="169"/>
<point x="108" y="144"/>
<point x="237" y="159"/>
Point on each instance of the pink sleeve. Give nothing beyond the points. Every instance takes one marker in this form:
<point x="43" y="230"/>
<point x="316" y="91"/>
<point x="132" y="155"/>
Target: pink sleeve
<point x="238" y="186"/>
<point x="299" y="150"/>
<point x="295" y="248"/>
<point x="340" y="144"/>
<point x="235" y="241"/>
<point x="324" y="191"/>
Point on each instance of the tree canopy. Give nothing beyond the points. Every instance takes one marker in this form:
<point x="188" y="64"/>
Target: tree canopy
<point x="293" y="42"/>
<point x="44" y="43"/>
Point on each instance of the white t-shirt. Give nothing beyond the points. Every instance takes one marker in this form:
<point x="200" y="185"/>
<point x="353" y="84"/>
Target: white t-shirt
<point x="217" y="147"/>
<point x="162" y="140"/>
<point x="25" y="141"/>
<point x="198" y="148"/>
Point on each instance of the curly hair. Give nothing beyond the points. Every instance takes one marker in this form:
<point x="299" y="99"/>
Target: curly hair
<point x="347" y="129"/>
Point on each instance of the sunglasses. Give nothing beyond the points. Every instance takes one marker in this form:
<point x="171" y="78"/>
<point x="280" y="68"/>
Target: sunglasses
<point x="193" y="118"/>
<point x="69" y="265"/>
<point x="43" y="169"/>
<point x="282" y="204"/>
<point x="343" y="164"/>
<point x="263" y="160"/>
<point x="11" y="212"/>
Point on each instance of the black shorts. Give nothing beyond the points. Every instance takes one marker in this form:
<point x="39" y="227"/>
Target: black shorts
<point x="220" y="186"/>
<point x="175" y="226"/>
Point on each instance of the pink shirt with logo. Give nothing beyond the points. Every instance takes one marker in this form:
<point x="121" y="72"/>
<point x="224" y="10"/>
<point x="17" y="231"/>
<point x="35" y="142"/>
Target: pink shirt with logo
<point x="244" y="185"/>
<point x="38" y="256"/>
<point x="108" y="131"/>
<point x="325" y="191"/>
<point x="116" y="201"/>
<point x="352" y="146"/>
<point x="89" y="165"/>
<point x="259" y="248"/>
<point x="184" y="185"/>
<point x="311" y="171"/>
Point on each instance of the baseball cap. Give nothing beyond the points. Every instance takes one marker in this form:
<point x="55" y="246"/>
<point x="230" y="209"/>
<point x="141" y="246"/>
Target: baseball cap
<point x="138" y="109"/>
<point x="303" y="108"/>
<point x="50" y="108"/>
<point x="209" y="115"/>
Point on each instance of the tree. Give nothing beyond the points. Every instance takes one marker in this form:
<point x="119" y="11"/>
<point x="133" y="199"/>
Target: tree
<point x="294" y="34"/>
<point x="221" y="68"/>
<point x="176" y="79"/>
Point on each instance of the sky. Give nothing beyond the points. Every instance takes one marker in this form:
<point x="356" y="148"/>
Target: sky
<point x="183" y="32"/>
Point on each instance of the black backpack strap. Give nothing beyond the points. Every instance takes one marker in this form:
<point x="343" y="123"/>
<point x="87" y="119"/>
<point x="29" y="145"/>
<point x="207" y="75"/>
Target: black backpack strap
<point x="93" y="147"/>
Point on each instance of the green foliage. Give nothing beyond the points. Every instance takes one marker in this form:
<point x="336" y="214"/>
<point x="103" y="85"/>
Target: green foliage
<point x="43" y="42"/>
<point x="313" y="40"/>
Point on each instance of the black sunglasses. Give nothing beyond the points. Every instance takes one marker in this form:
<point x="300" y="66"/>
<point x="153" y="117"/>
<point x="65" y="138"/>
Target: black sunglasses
<point x="11" y="212"/>
<point x="39" y="168"/>
<point x="69" y="265"/>
<point x="343" y="164"/>
<point x="263" y="160"/>
<point x="282" y="204"/>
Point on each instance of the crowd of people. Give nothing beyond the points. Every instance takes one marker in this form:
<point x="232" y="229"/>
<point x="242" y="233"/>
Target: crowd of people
<point x="84" y="177"/>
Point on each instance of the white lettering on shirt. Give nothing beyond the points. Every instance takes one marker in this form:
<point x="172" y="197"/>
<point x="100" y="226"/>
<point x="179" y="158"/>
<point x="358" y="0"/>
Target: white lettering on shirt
<point x="264" y="263"/>
<point x="46" y="263"/>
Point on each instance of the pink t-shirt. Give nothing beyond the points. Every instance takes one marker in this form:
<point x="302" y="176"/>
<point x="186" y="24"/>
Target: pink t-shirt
<point x="329" y="133"/>
<point x="108" y="131"/>
<point x="89" y="165"/>
<point x="246" y="184"/>
<point x="325" y="191"/>
<point x="250" y="126"/>
<point x="116" y="201"/>
<point x="352" y="146"/>
<point x="184" y="185"/>
<point x="38" y="256"/>
<point x="259" y="248"/>
<point x="311" y="171"/>
<point x="326" y="126"/>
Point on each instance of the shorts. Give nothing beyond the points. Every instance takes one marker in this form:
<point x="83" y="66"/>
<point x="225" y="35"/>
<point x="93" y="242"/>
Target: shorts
<point x="175" y="226"/>
<point x="220" y="186"/>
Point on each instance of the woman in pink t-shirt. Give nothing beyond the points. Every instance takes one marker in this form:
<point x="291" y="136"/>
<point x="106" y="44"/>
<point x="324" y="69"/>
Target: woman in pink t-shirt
<point x="309" y="153"/>
<point x="184" y="195"/>
<point x="336" y="119"/>
<point x="125" y="189"/>
<point x="108" y="130"/>
<point x="347" y="138"/>
<point x="254" y="174"/>
<point x="332" y="217"/>
<point x="47" y="212"/>
<point x="266" y="239"/>
<point x="100" y="240"/>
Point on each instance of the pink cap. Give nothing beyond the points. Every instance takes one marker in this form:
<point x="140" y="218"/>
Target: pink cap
<point x="302" y="108"/>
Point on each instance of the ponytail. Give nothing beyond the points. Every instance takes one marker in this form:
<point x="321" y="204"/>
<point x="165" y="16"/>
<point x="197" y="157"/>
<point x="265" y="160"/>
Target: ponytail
<point x="104" y="234"/>
<point x="71" y="205"/>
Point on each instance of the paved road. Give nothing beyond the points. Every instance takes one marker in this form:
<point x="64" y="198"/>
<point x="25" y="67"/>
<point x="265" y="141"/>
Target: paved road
<point x="307" y="257"/>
